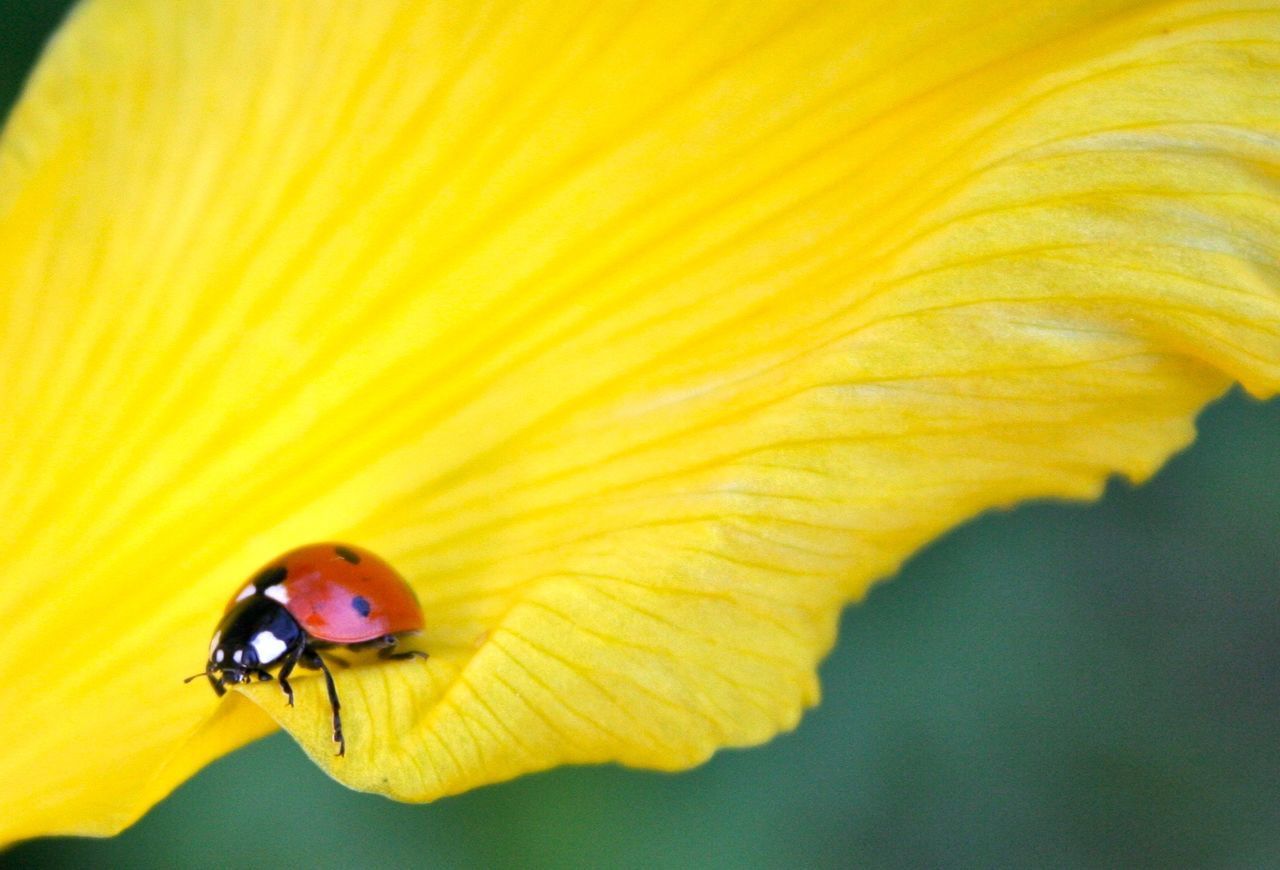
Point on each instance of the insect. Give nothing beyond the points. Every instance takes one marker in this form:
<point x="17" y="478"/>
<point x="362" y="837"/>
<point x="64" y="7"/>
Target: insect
<point x="310" y="599"/>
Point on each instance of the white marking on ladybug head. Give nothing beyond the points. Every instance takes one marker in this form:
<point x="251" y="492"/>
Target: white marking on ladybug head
<point x="238" y="656"/>
<point x="268" y="647"/>
<point x="245" y="592"/>
<point x="213" y="644"/>
<point x="277" y="593"/>
<point x="217" y="655"/>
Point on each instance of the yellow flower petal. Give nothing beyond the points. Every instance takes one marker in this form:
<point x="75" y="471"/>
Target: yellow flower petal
<point x="639" y="339"/>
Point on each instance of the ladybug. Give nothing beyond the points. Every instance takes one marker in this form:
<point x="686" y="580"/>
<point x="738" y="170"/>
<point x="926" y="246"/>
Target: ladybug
<point x="311" y="599"/>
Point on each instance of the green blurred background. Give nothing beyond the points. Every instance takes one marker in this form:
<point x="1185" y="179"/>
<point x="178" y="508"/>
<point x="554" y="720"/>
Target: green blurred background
<point x="1059" y="685"/>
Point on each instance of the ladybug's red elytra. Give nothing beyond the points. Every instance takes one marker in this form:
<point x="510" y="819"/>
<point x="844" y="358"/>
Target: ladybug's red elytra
<point x="311" y="599"/>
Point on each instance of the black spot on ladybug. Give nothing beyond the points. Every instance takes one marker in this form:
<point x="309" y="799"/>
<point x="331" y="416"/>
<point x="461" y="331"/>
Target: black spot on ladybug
<point x="268" y="577"/>
<point x="347" y="554"/>
<point x="361" y="604"/>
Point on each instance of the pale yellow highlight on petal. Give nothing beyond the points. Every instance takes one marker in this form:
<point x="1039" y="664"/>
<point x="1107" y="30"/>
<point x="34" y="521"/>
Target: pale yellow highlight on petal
<point x="640" y="337"/>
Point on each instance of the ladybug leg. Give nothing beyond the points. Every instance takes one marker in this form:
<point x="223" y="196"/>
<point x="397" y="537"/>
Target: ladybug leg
<point x="388" y="643"/>
<point x="329" y="657"/>
<point x="290" y="660"/>
<point x="312" y="659"/>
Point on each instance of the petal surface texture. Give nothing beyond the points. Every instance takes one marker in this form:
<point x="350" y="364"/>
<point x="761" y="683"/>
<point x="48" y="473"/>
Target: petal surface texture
<point x="640" y="337"/>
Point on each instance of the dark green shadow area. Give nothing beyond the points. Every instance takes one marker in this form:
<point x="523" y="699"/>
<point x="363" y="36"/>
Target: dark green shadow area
<point x="24" y="27"/>
<point x="1059" y="685"/>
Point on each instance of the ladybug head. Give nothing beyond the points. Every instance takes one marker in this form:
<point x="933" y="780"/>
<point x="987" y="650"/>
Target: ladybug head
<point x="255" y="634"/>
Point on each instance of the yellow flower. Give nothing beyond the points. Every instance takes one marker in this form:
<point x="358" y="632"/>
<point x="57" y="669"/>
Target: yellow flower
<point x="640" y="337"/>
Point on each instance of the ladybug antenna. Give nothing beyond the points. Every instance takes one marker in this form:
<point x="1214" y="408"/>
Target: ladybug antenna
<point x="204" y="673"/>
